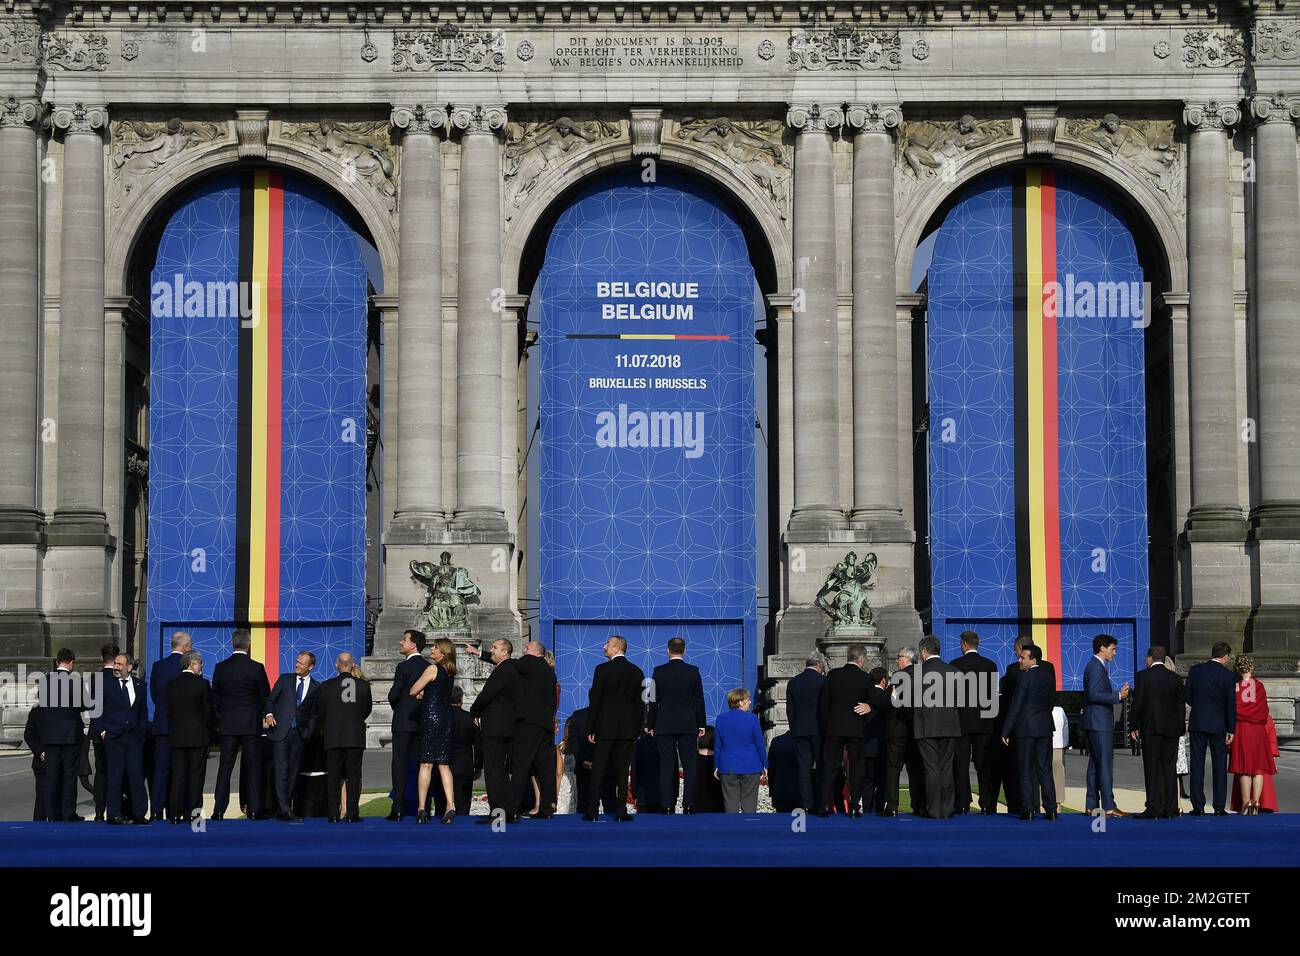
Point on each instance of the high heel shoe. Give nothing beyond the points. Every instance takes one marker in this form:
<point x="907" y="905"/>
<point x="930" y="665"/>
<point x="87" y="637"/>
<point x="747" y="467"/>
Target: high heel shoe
<point x="449" y="816"/>
<point x="1252" y="809"/>
<point x="422" y="816"/>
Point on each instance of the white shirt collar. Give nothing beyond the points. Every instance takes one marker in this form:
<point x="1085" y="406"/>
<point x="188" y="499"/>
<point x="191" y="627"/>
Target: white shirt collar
<point x="238" y="652"/>
<point x="413" y="654"/>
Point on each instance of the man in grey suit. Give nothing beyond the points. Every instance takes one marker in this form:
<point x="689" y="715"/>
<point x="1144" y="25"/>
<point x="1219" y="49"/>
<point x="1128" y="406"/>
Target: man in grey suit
<point x="936" y="726"/>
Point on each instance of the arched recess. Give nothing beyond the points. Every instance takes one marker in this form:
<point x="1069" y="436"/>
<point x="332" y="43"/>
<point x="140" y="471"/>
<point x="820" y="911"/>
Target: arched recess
<point x="1160" y="255"/>
<point x="1152" y="215"/>
<point x="134" y="252"/>
<point x="760" y="226"/>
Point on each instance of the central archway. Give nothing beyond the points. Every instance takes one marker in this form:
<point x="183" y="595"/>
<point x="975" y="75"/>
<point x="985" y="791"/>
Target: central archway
<point x="648" y="315"/>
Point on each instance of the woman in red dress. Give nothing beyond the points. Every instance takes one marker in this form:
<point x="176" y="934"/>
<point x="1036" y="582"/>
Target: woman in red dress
<point x="1250" y="757"/>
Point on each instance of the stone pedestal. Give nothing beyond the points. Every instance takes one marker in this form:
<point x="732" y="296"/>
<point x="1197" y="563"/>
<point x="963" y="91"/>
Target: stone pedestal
<point x="835" y="645"/>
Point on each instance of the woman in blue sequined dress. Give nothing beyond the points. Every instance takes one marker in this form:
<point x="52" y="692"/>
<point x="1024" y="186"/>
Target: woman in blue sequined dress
<point x="434" y="688"/>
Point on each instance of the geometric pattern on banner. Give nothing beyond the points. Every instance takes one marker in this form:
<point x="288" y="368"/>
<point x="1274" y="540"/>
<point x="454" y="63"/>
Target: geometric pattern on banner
<point x="646" y="483"/>
<point x="715" y="648"/>
<point x="1037" y="452"/>
<point x="257" y="428"/>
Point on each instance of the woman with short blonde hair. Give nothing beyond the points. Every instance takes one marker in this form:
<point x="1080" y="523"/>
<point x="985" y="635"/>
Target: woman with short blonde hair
<point x="740" y="754"/>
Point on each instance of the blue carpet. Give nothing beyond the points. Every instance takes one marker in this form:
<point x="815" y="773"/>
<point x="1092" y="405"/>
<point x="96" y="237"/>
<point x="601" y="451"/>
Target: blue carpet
<point x="707" y="840"/>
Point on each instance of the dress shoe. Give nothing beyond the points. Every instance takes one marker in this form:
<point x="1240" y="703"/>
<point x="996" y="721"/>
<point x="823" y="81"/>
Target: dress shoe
<point x="354" y="819"/>
<point x="140" y="821"/>
<point x="217" y="816"/>
<point x="1051" y="816"/>
<point x="394" y="817"/>
<point x="334" y="819"/>
<point x="484" y="821"/>
<point x="157" y="817"/>
<point x="176" y="820"/>
<point x="1197" y="812"/>
<point x="1146" y="815"/>
<point x="589" y="817"/>
<point x="625" y="817"/>
<point x="989" y="812"/>
<point x="1220" y="813"/>
<point x="886" y="813"/>
<point x="99" y="818"/>
<point x="288" y="818"/>
<point x="1026" y="815"/>
<point x="855" y="812"/>
<point x="115" y="821"/>
<point x="1116" y="814"/>
<point x="666" y="811"/>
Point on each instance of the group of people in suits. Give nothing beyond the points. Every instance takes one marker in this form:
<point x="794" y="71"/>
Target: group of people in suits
<point x="238" y="709"/>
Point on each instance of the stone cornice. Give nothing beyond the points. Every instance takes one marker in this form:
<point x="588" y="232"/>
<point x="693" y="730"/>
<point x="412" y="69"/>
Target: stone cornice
<point x="566" y="14"/>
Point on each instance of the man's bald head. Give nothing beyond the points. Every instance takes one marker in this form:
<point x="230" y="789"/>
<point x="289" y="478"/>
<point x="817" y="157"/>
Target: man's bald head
<point x="343" y="663"/>
<point x="535" y="649"/>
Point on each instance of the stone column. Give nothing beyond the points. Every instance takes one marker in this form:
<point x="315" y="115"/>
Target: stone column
<point x="876" y="504"/>
<point x="816" y="380"/>
<point x="1276" y="293"/>
<point x="419" y="507"/>
<point x="479" y="302"/>
<point x="78" y="567"/>
<point x="81" y="320"/>
<point x="21" y="520"/>
<point x="1216" y="526"/>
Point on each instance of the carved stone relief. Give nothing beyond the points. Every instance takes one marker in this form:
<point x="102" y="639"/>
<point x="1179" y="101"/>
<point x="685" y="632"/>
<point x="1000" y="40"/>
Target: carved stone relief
<point x="531" y="148"/>
<point x="1277" y="41"/>
<point x="754" y="147"/>
<point x="76" y="52"/>
<point x="449" y="48"/>
<point x="844" y="48"/>
<point x="936" y="149"/>
<point x="1147" y="147"/>
<point x="1213" y="48"/>
<point x="141" y="147"/>
<point x="19" y="42"/>
<point x="363" y="148"/>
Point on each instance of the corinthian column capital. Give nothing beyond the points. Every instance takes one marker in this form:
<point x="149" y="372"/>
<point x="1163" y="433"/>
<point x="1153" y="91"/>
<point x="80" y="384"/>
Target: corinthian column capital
<point x="418" y="118"/>
<point x="1211" y="115"/>
<point x="814" y="118"/>
<point x="873" y="117"/>
<point x="79" y="118"/>
<point x="479" y="118"/>
<point x="21" y="112"/>
<point x="1277" y="108"/>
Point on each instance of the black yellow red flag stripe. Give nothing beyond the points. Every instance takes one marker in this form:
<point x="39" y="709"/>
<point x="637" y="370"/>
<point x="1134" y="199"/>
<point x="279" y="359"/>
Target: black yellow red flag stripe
<point x="257" y="507"/>
<point x="1037" y="481"/>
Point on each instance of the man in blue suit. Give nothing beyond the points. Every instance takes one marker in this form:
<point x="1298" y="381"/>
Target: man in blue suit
<point x="1100" y="698"/>
<point x="1211" y="690"/>
<point x="164" y="672"/>
<point x="121" y="727"/>
<point x="1029" y="722"/>
<point x="291" y="721"/>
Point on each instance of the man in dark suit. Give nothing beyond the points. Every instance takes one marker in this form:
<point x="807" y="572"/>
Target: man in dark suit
<point x="121" y="728"/>
<point x="583" y="752"/>
<point x="32" y="738"/>
<point x="494" y="711"/>
<point x="1157" y="718"/>
<point x="978" y="724"/>
<point x="290" y="721"/>
<point x="62" y="700"/>
<point x="676" y="720"/>
<point x="532" y="752"/>
<point x="875" y="745"/>
<point x="408" y="722"/>
<point x="466" y="758"/>
<point x="616" y="707"/>
<point x="342" y="707"/>
<point x="1098" y="724"/>
<point x="1006" y="764"/>
<point x="899" y="730"/>
<point x="843" y="710"/>
<point x="107" y="654"/>
<point x="163" y="673"/>
<point x="1029" y="722"/>
<point x="239" y="693"/>
<point x="936" y="726"/>
<point x="802" y="697"/>
<point x="189" y="729"/>
<point x="1211" y="690"/>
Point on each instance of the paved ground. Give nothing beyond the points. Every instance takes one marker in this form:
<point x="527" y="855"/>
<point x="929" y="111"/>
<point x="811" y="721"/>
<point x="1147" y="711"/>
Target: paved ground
<point x="16" y="782"/>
